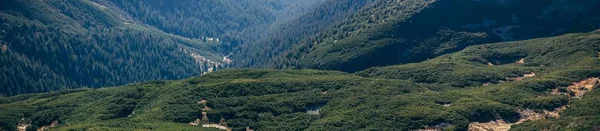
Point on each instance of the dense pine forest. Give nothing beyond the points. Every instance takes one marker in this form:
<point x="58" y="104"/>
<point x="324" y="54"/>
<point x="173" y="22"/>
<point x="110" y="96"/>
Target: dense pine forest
<point x="423" y="65"/>
<point x="64" y="44"/>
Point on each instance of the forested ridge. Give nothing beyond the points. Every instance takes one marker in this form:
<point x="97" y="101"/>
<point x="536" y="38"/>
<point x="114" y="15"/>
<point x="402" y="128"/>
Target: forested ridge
<point x="389" y="32"/>
<point x="62" y="44"/>
<point x="459" y="92"/>
<point x="299" y="65"/>
<point x="284" y="35"/>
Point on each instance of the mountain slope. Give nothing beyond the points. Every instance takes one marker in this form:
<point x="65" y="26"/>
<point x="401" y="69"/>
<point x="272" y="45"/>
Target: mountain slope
<point x="329" y="100"/>
<point x="283" y="35"/>
<point x="392" y="32"/>
<point x="63" y="44"/>
<point x="58" y="44"/>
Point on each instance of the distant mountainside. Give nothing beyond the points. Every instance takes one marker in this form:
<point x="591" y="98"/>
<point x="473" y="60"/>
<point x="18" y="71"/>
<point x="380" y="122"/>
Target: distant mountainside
<point x="540" y="84"/>
<point x="49" y="45"/>
<point x="282" y="36"/>
<point x="389" y="32"/>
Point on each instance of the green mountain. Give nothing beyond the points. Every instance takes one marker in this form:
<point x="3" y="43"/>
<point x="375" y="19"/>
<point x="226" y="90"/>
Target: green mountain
<point x="520" y="84"/>
<point x="330" y="65"/>
<point x="49" y="45"/>
<point x="282" y="36"/>
<point x="389" y="32"/>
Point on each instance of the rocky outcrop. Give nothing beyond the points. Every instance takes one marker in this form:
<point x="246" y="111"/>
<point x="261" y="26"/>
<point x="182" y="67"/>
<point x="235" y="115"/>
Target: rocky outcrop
<point x="578" y="89"/>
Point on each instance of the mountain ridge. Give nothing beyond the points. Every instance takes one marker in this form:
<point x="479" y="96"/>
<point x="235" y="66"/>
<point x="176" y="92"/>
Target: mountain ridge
<point x="281" y="99"/>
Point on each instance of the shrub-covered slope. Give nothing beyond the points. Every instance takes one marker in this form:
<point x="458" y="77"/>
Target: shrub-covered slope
<point x="390" y="32"/>
<point x="462" y="91"/>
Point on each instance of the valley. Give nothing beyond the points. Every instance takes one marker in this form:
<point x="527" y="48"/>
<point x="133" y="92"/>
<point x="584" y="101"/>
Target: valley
<point x="370" y="99"/>
<point x="411" y="65"/>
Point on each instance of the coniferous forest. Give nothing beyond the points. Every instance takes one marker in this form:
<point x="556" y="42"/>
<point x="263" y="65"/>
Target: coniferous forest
<point x="476" y="65"/>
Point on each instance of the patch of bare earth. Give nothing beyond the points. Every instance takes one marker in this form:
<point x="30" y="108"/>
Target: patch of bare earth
<point x="52" y="125"/>
<point x="577" y="88"/>
<point x="498" y="125"/>
<point x="22" y="126"/>
<point x="521" y="61"/>
<point x="527" y="75"/>
<point x="582" y="87"/>
<point x="526" y="115"/>
<point x="205" y="122"/>
<point x="556" y="112"/>
<point x="530" y="115"/>
<point x="4" y="48"/>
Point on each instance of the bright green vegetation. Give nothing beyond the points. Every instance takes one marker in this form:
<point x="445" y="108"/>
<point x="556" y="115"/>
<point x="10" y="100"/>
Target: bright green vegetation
<point x="385" y="98"/>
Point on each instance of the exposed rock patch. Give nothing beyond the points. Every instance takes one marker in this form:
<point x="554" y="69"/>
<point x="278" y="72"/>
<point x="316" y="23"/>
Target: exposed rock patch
<point x="52" y="125"/>
<point x="555" y="113"/>
<point x="487" y="84"/>
<point x="216" y="126"/>
<point x="530" y="115"/>
<point x="205" y="122"/>
<point x="438" y="127"/>
<point x="577" y="88"/>
<point x="498" y="125"/>
<point x="22" y="126"/>
<point x="526" y="115"/>
<point x="526" y="75"/>
<point x="521" y="61"/>
<point x="314" y="109"/>
<point x="582" y="87"/>
<point x="443" y="103"/>
<point x="226" y="60"/>
<point x="529" y="75"/>
<point x="5" y="48"/>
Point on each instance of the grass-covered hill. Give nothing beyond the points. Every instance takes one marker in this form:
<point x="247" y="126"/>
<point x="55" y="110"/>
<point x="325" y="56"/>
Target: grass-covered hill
<point x="457" y="91"/>
<point x="389" y="32"/>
